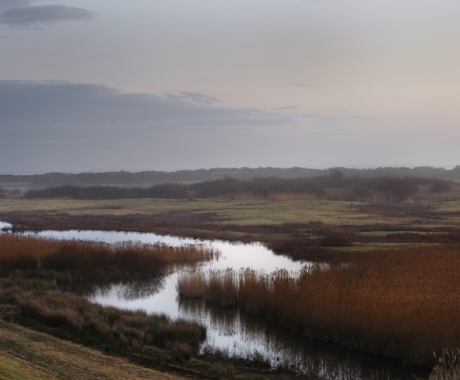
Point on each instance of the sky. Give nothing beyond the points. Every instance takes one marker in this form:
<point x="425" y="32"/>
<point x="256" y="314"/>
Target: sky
<point x="97" y="85"/>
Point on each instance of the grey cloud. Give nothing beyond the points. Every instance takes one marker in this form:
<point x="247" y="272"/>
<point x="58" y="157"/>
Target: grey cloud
<point x="13" y="3"/>
<point x="73" y="127"/>
<point x="28" y="106"/>
<point x="194" y="97"/>
<point x="31" y="15"/>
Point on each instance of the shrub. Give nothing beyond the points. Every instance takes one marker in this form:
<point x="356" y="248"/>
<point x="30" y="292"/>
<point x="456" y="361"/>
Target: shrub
<point x="397" y="188"/>
<point x="440" y="186"/>
<point x="336" y="240"/>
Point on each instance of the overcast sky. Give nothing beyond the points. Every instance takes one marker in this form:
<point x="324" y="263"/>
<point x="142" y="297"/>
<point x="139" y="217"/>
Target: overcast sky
<point x="94" y="85"/>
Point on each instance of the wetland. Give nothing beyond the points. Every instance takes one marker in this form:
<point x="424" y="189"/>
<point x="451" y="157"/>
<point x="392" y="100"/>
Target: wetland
<point x="271" y="235"/>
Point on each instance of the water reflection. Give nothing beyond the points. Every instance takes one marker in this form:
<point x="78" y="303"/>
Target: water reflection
<point x="256" y="338"/>
<point x="5" y="226"/>
<point x="132" y="290"/>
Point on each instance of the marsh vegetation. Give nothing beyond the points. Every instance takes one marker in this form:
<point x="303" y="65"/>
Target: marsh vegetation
<point x="41" y="276"/>
<point x="384" y="280"/>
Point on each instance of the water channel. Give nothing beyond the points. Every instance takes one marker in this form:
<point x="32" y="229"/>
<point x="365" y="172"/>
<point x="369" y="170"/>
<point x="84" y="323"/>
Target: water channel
<point x="234" y="332"/>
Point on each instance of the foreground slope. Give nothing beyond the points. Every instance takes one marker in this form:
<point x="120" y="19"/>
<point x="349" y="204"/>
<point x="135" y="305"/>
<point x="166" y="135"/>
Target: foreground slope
<point x="27" y="354"/>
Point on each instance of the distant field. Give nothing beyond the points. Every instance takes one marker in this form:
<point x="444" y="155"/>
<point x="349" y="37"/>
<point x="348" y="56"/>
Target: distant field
<point x="452" y="206"/>
<point x="237" y="211"/>
<point x="367" y="225"/>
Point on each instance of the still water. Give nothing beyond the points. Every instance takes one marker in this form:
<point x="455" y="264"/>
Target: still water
<point x="231" y="331"/>
<point x="4" y="225"/>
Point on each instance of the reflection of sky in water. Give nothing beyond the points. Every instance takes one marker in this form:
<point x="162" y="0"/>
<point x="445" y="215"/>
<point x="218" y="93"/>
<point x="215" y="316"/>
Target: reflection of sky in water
<point x="4" y="225"/>
<point x="228" y="330"/>
<point x="313" y="358"/>
<point x="115" y="236"/>
<point x="234" y="255"/>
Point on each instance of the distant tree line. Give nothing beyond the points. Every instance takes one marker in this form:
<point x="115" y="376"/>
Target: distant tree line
<point x="4" y="193"/>
<point x="150" y="178"/>
<point x="394" y="188"/>
<point x="167" y="191"/>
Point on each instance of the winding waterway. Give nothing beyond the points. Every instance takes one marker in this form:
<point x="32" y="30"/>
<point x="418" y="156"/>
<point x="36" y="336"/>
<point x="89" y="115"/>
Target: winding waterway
<point x="229" y="330"/>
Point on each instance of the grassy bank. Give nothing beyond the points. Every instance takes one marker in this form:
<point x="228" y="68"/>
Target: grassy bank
<point x="35" y="303"/>
<point x="401" y="304"/>
<point x="26" y="354"/>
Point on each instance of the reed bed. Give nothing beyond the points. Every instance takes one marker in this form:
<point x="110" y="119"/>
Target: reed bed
<point x="93" y="259"/>
<point x="215" y="285"/>
<point x="192" y="283"/>
<point x="403" y="304"/>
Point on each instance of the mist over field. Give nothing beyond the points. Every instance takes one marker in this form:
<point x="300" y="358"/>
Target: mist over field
<point x="154" y="85"/>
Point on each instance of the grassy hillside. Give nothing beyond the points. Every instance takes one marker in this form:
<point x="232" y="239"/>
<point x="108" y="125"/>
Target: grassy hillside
<point x="27" y="354"/>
